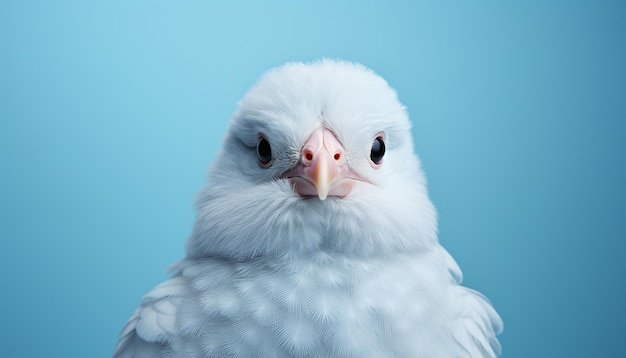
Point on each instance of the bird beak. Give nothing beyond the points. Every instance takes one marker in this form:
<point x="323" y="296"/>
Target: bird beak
<point x="322" y="169"/>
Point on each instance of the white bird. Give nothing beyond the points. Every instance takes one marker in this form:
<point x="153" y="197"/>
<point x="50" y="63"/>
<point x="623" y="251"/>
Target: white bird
<point x="315" y="237"/>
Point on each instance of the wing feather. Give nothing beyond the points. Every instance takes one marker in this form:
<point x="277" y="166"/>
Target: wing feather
<point x="150" y="329"/>
<point x="477" y="325"/>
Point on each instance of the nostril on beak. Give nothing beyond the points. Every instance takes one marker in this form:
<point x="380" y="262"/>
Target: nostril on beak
<point x="307" y="156"/>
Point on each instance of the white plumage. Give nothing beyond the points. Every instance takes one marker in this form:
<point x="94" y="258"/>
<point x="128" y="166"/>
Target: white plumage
<point x="315" y="237"/>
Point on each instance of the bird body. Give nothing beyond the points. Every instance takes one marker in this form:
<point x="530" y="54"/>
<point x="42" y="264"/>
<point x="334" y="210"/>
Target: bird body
<point x="314" y="237"/>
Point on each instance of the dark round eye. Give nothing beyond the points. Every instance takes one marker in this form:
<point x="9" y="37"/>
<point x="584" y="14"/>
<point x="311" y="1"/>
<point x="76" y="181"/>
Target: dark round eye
<point x="264" y="152"/>
<point x="378" y="150"/>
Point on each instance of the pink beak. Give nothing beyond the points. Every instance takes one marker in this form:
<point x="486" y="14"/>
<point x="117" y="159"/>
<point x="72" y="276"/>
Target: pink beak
<point x="322" y="169"/>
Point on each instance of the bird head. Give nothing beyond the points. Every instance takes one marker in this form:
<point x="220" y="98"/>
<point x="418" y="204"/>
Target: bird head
<point x="317" y="157"/>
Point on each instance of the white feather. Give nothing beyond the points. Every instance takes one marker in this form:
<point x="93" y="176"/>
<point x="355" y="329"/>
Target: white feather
<point x="269" y="273"/>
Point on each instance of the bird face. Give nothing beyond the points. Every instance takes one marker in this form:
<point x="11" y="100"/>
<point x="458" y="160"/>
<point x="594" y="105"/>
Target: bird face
<point x="317" y="156"/>
<point x="322" y="169"/>
<point x="325" y="127"/>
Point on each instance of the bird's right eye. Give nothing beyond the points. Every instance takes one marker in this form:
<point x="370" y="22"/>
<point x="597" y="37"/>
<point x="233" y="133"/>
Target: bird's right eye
<point x="264" y="152"/>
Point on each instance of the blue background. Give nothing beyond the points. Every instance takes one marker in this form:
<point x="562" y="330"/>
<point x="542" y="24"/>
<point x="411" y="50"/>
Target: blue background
<point x="111" y="112"/>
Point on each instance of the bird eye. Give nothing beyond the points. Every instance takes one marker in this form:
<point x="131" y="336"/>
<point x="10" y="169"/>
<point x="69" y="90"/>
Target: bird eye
<point x="378" y="151"/>
<point x="264" y="152"/>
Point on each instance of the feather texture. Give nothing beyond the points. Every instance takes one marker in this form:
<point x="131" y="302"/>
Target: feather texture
<point x="271" y="273"/>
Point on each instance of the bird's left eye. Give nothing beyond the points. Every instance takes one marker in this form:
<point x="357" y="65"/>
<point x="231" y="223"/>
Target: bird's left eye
<point x="378" y="151"/>
<point x="264" y="152"/>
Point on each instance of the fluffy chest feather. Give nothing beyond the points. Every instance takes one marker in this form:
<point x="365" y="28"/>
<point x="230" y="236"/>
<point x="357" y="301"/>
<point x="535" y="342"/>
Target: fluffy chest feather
<point x="318" y="305"/>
